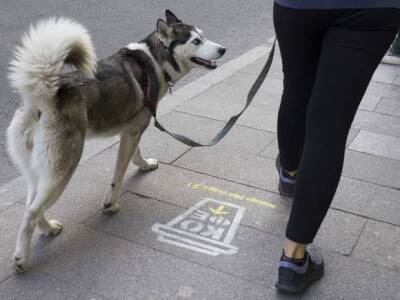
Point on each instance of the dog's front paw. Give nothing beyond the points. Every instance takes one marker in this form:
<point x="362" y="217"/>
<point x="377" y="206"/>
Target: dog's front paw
<point x="151" y="164"/>
<point x="56" y="227"/>
<point x="110" y="208"/>
<point x="50" y="228"/>
<point x="21" y="266"/>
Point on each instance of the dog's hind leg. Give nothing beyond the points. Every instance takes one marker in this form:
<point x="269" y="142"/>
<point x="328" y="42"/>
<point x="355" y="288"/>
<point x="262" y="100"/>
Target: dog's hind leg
<point x="48" y="191"/>
<point x="52" y="227"/>
<point x="128" y="144"/>
<point x="53" y="172"/>
<point x="144" y="164"/>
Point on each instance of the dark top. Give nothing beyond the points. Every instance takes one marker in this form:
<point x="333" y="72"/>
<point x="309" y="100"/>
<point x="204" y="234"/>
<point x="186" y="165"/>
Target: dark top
<point x="338" y="4"/>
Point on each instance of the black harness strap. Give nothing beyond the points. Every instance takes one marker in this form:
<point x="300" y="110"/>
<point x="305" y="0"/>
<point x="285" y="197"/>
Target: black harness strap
<point x="151" y="104"/>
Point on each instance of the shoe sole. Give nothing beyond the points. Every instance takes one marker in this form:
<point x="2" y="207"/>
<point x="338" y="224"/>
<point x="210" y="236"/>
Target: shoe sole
<point x="293" y="290"/>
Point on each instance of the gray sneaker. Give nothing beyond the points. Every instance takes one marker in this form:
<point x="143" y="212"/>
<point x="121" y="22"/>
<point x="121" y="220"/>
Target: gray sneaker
<point x="286" y="182"/>
<point x="295" y="276"/>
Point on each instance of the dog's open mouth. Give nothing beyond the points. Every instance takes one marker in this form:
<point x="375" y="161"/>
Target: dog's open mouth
<point x="209" y="64"/>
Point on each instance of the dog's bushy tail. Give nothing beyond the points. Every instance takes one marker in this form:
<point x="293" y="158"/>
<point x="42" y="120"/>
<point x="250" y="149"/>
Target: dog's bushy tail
<point x="46" y="47"/>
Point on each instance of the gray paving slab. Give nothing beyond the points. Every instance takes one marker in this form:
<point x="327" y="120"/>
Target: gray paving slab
<point x="118" y="269"/>
<point x="340" y="232"/>
<point x="37" y="285"/>
<point x="263" y="119"/>
<point x="101" y="167"/>
<point x="5" y="268"/>
<point x="397" y="80"/>
<point x="369" y="102"/>
<point x="347" y="278"/>
<point x="180" y="96"/>
<point x="386" y="73"/>
<point x="383" y="90"/>
<point x="269" y="101"/>
<point x="203" y="129"/>
<point x="380" y="244"/>
<point x="369" y="200"/>
<point x="12" y="192"/>
<point x="159" y="145"/>
<point x="389" y="106"/>
<point x="376" y="122"/>
<point x="351" y="136"/>
<point x="224" y="100"/>
<point x="10" y="221"/>
<point x="272" y="149"/>
<point x="251" y="56"/>
<point x="256" y="67"/>
<point x="217" y="95"/>
<point x="215" y="76"/>
<point x="235" y="88"/>
<point x="80" y="200"/>
<point x="377" y="144"/>
<point x="231" y="165"/>
<point x="96" y="145"/>
<point x="370" y="168"/>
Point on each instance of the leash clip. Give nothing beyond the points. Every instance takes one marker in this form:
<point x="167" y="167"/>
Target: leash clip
<point x="171" y="83"/>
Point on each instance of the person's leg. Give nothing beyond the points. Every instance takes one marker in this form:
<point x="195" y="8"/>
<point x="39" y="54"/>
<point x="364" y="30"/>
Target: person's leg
<point x="349" y="57"/>
<point x="348" y="60"/>
<point x="300" y="48"/>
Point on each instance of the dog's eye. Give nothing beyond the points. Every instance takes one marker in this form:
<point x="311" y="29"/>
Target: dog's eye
<point x="196" y="42"/>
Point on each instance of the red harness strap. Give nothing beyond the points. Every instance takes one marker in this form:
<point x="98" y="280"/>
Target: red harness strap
<point x="151" y="105"/>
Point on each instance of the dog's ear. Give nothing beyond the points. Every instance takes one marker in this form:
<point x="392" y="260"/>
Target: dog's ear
<point x="164" y="31"/>
<point x="171" y="18"/>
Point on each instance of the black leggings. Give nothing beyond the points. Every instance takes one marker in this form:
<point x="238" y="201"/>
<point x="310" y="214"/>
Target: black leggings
<point x="328" y="57"/>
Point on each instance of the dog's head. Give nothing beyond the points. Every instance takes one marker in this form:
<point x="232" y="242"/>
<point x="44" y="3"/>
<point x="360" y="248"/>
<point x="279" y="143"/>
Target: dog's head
<point x="187" y="44"/>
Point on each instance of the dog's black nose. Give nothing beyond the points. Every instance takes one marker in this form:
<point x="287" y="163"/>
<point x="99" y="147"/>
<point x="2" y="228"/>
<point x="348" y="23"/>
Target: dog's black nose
<point x="221" y="51"/>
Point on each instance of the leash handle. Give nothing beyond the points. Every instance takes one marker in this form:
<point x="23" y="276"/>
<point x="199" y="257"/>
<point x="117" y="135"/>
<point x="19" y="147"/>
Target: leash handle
<point x="231" y="122"/>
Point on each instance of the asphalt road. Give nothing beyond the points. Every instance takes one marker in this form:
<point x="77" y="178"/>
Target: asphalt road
<point x="238" y="25"/>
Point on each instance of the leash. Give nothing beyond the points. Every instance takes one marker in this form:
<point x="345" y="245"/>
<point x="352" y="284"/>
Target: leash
<point x="231" y="122"/>
<point x="151" y="104"/>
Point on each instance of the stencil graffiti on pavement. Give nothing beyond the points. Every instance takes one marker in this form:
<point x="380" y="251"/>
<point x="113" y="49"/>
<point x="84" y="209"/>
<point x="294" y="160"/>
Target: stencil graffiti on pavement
<point x="208" y="227"/>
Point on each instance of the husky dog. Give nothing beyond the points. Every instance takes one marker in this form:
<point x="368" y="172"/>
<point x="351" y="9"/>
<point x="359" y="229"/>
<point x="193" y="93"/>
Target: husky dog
<point x="114" y="96"/>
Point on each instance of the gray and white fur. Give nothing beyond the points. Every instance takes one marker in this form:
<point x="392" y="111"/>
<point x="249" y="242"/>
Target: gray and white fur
<point x="100" y="98"/>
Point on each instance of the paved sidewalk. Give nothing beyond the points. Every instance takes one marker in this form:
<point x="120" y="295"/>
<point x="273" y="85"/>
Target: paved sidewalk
<point x="209" y="223"/>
